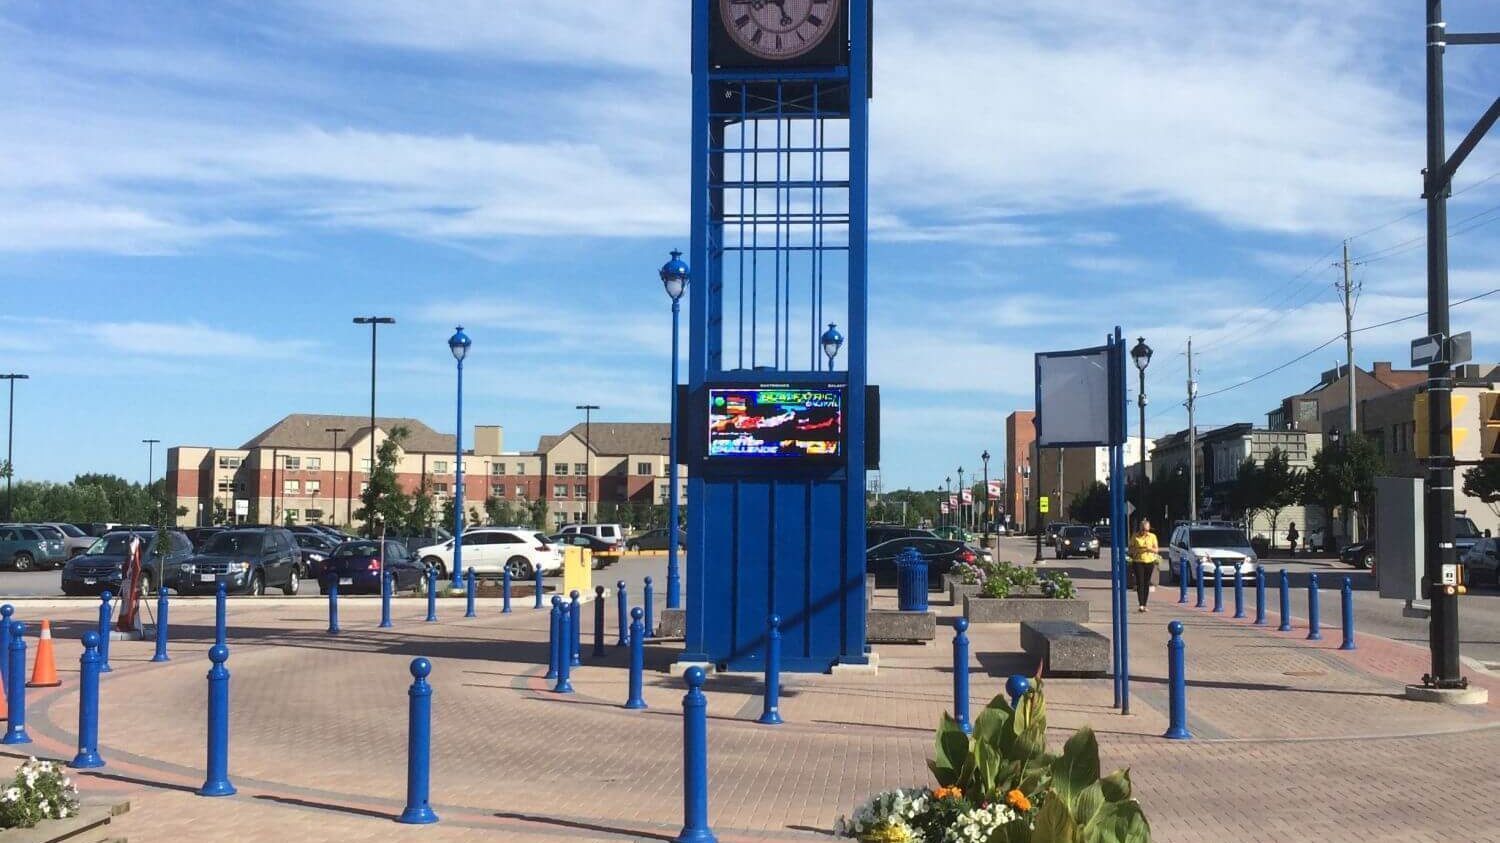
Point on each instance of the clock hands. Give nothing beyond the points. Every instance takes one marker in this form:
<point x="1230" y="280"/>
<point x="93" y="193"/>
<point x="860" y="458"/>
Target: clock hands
<point x="758" y="5"/>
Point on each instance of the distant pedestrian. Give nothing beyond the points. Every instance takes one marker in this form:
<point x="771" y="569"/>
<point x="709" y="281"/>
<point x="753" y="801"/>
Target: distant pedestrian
<point x="1143" y="560"/>
<point x="1291" y="537"/>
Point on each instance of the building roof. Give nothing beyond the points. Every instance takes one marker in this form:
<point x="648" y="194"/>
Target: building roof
<point x="616" y="438"/>
<point x="310" y="430"/>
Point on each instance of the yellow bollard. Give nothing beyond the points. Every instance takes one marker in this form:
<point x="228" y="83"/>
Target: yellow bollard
<point x="577" y="570"/>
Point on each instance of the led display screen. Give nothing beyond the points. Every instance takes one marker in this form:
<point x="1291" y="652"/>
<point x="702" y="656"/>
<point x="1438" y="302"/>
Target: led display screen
<point x="779" y="422"/>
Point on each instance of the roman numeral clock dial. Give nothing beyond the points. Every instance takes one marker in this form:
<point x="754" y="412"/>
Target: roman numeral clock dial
<point x="779" y="29"/>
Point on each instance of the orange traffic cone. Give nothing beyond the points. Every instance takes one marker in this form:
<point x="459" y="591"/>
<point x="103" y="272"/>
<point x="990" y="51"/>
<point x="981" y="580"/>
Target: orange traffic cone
<point x="44" y="675"/>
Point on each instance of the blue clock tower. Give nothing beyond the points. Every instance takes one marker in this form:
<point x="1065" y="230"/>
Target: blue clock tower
<point x="776" y="423"/>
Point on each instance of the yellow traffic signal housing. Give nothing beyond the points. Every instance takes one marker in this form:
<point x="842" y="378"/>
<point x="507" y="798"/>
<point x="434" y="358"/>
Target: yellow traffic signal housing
<point x="1489" y="425"/>
<point x="1461" y="442"/>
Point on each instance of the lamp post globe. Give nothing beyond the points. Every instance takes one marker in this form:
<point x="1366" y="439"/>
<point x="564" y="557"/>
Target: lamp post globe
<point x="674" y="275"/>
<point x="458" y="344"/>
<point x="832" y="341"/>
<point x="1141" y="354"/>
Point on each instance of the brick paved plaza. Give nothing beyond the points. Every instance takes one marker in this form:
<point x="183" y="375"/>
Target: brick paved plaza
<point x="1294" y="739"/>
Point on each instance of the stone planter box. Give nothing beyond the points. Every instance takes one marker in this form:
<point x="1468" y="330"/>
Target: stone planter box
<point x="958" y="592"/>
<point x="90" y="826"/>
<point x="1020" y="609"/>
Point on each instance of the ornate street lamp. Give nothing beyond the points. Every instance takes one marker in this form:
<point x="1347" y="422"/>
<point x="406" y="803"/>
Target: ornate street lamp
<point x="675" y="275"/>
<point x="459" y="344"/>
<point x="832" y="341"/>
<point x="1141" y="354"/>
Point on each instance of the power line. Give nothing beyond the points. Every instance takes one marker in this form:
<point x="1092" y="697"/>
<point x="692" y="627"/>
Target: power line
<point x="1414" y="243"/>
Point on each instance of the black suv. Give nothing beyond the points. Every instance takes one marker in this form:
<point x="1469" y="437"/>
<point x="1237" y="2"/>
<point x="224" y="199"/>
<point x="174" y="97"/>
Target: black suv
<point x="247" y="561"/>
<point x="102" y="566"/>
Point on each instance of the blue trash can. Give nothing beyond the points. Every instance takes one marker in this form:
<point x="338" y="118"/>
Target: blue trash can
<point x="911" y="581"/>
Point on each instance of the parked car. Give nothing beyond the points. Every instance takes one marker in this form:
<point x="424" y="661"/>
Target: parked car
<point x="314" y="548"/>
<point x="957" y="534"/>
<point x="200" y="535"/>
<point x="416" y="541"/>
<point x="605" y="553"/>
<point x="655" y="540"/>
<point x="1207" y="547"/>
<point x="102" y="566"/>
<point x="1076" y="540"/>
<point x="1482" y="563"/>
<point x="355" y="566"/>
<point x="333" y="532"/>
<point x="882" y="533"/>
<point x="94" y="528"/>
<point x="247" y="561"/>
<point x="25" y="549"/>
<point x="75" y="541"/>
<point x="941" y="555"/>
<point x="1104" y="534"/>
<point x="489" y="550"/>
<point x="612" y="533"/>
<point x="1465" y="534"/>
<point x="55" y="542"/>
<point x="1049" y="536"/>
<point x="1358" y="554"/>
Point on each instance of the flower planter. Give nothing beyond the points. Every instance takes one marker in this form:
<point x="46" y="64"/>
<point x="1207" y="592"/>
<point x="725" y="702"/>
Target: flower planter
<point x="88" y="826"/>
<point x="958" y="591"/>
<point x="1018" y="609"/>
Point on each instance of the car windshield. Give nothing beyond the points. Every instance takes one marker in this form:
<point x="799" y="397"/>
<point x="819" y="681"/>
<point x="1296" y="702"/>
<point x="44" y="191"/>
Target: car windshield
<point x="234" y="544"/>
<point x="71" y="531"/>
<point x="356" y="549"/>
<point x="309" y="540"/>
<point x="1078" y="533"/>
<point x="1465" y="528"/>
<point x="116" y="544"/>
<point x="1217" y="538"/>
<point x="49" y="532"/>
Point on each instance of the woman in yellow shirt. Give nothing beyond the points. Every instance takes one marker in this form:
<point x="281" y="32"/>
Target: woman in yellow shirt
<point x="1143" y="560"/>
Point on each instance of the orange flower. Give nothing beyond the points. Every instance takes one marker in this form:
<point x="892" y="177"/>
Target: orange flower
<point x="946" y="792"/>
<point x="1016" y="799"/>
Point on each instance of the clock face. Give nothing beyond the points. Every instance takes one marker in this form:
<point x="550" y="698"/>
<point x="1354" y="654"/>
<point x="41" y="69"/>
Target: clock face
<point x="779" y="29"/>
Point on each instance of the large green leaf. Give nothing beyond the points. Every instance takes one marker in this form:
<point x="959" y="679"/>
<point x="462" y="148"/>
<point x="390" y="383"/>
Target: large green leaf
<point x="1014" y="832"/>
<point x="1118" y="822"/>
<point x="1116" y="786"/>
<point x="951" y="752"/>
<point x="990" y="724"/>
<point x="1077" y="768"/>
<point x="1054" y="824"/>
<point x="1088" y="803"/>
<point x="1000" y="702"/>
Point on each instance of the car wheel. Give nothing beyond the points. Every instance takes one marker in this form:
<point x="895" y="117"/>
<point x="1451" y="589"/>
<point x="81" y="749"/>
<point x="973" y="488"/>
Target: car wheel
<point x="293" y="582"/>
<point x="23" y="561"/>
<point x="520" y="568"/>
<point x="433" y="563"/>
<point x="257" y="584"/>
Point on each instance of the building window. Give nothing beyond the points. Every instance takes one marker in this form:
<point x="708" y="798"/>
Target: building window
<point x="520" y="491"/>
<point x="643" y="469"/>
<point x="291" y="463"/>
<point x="580" y="491"/>
<point x="364" y="486"/>
<point x="580" y="468"/>
<point x="314" y="464"/>
<point x="291" y="487"/>
<point x="497" y="491"/>
<point x="224" y="484"/>
<point x="440" y="488"/>
<point x="229" y="462"/>
<point x="314" y="514"/>
<point x="439" y="466"/>
<point x="364" y="465"/>
<point x="289" y="514"/>
<point x="497" y="468"/>
<point x="579" y="517"/>
<point x="561" y="469"/>
<point x="313" y="487"/>
<point x="559" y="490"/>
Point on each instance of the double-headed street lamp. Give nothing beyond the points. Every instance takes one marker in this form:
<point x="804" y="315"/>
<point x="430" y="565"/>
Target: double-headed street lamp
<point x="1141" y="354"/>
<point x="374" y="322"/>
<point x="674" y="276"/>
<point x="459" y="344"/>
<point x="10" y="427"/>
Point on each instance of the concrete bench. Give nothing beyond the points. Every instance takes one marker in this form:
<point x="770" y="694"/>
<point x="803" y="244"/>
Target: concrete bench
<point x="1066" y="648"/>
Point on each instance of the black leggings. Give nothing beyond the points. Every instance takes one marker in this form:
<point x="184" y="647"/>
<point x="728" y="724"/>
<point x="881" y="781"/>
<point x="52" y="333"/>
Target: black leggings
<point x="1143" y="572"/>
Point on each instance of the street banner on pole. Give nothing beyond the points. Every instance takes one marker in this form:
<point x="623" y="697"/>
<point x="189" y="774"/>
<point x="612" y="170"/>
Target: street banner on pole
<point x="968" y="495"/>
<point x="994" y="489"/>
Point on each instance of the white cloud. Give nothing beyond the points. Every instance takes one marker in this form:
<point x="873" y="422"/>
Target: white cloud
<point x="192" y="340"/>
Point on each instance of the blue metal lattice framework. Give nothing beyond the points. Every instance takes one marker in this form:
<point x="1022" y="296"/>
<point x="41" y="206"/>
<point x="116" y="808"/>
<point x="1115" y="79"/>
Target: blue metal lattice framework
<point x="779" y="235"/>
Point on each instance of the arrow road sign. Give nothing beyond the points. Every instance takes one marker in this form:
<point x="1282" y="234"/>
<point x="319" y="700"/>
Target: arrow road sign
<point x="1427" y="350"/>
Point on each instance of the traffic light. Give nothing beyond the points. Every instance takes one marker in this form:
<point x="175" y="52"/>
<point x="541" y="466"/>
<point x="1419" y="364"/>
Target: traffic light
<point x="1461" y="443"/>
<point x="1489" y="425"/>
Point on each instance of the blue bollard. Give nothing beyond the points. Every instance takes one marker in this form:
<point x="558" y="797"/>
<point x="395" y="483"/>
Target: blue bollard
<point x="221" y="621"/>
<point x="553" y="645"/>
<point x="564" y="649"/>
<point x="88" y="705"/>
<point x="161" y="626"/>
<point x="419" y="747"/>
<point x="1260" y="596"/>
<point x="1182" y="581"/>
<point x="1314" y="621"/>
<point x="624" y="613"/>
<point x="1016" y="687"/>
<point x="104" y="614"/>
<point x="5" y="612"/>
<point x="598" y="621"/>
<point x="1218" y="588"/>
<point x="385" y="600"/>
<point x="637" y="662"/>
<point x="575" y="624"/>
<point x="469" y="585"/>
<point x="217" y="781"/>
<point x="15" y="694"/>
<point x="432" y="595"/>
<point x="538" y="587"/>
<point x="770" y="715"/>
<point x="1348" y="607"/>
<point x="695" y="762"/>
<point x="1286" y="603"/>
<point x="1198" y="581"/>
<point x="647" y="598"/>
<point x="1239" y="593"/>
<point x="333" y="606"/>
<point x="961" y="674"/>
<point x="1176" y="685"/>
<point x="505" y="592"/>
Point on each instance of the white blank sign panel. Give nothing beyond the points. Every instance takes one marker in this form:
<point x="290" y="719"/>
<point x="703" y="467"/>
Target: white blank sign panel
<point x="1073" y="399"/>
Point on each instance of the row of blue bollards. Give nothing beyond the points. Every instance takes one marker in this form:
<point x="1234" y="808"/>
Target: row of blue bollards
<point x="1314" y="614"/>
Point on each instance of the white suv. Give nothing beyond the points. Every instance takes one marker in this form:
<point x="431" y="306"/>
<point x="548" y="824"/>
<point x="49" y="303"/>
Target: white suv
<point x="1206" y="547"/>
<point x="612" y="533"/>
<point x="490" y="550"/>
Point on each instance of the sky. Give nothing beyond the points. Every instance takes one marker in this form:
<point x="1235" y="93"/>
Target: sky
<point x="195" y="198"/>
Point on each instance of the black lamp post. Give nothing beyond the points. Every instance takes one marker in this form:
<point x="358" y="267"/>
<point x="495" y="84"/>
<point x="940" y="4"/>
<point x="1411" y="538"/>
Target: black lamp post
<point x="10" y="440"/>
<point x="985" y="458"/>
<point x="948" y="499"/>
<point x="1141" y="354"/>
<point x="374" y="322"/>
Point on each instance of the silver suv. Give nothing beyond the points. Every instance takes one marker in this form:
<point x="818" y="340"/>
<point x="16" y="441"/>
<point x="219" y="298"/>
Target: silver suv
<point x="1206" y="546"/>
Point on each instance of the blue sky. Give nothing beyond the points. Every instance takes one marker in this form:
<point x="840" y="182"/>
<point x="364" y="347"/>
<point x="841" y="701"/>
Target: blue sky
<point x="196" y="198"/>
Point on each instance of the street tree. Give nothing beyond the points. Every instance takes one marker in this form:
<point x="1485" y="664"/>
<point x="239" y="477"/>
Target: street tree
<point x="1091" y="505"/>
<point x="1483" y="482"/>
<point x="383" y="495"/>
<point x="1279" y="487"/>
<point x="1340" y="473"/>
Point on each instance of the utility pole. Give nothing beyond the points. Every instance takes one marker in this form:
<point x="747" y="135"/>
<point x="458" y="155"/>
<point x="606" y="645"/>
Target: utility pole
<point x="1192" y="400"/>
<point x="1346" y="292"/>
<point x="588" y="456"/>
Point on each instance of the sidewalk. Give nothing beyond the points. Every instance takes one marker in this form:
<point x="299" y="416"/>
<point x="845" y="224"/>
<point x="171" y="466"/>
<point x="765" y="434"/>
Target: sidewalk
<point x="1295" y="740"/>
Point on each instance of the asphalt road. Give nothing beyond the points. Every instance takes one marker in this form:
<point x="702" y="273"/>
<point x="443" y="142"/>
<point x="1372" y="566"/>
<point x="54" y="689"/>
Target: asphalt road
<point x="1478" y="611"/>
